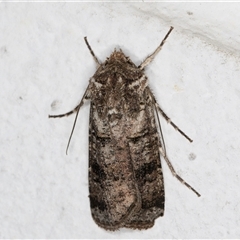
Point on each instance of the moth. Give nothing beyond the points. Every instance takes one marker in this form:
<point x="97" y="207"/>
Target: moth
<point x="126" y="187"/>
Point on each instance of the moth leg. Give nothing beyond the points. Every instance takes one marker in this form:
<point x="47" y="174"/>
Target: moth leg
<point x="168" y="119"/>
<point x="152" y="56"/>
<point x="172" y="123"/>
<point x="174" y="172"/>
<point x="66" y="114"/>
<point x="91" y="51"/>
<point x="76" y="109"/>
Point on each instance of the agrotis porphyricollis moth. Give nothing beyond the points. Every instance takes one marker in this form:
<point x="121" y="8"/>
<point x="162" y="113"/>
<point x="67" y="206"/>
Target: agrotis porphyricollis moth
<point x="125" y="143"/>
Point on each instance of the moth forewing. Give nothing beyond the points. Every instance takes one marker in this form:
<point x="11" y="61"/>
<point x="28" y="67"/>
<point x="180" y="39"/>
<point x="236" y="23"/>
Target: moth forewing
<point x="125" y="175"/>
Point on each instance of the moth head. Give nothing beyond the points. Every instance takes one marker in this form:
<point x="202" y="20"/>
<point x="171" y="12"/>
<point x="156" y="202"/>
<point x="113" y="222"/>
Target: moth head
<point x="118" y="55"/>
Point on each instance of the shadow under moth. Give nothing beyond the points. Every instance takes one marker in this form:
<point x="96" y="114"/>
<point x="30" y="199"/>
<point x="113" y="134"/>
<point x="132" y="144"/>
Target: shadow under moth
<point x="126" y="187"/>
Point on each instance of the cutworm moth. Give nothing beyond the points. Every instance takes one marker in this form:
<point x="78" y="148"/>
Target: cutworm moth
<point x="125" y="143"/>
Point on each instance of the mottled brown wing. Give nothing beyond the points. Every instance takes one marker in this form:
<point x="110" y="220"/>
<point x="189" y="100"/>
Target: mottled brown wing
<point x="112" y="187"/>
<point x="148" y="171"/>
<point x="125" y="176"/>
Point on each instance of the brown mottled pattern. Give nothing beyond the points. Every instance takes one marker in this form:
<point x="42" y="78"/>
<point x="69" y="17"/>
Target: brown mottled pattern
<point x="125" y="176"/>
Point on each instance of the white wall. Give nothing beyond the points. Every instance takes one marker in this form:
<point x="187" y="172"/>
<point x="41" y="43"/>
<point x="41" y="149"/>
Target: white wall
<point x="45" y="67"/>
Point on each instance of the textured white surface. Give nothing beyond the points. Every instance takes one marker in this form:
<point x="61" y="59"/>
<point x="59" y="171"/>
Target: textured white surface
<point x="45" y="67"/>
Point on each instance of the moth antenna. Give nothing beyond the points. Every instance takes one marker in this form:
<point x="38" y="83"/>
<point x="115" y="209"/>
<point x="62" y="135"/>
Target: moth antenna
<point x="91" y="51"/>
<point x="152" y="56"/>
